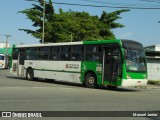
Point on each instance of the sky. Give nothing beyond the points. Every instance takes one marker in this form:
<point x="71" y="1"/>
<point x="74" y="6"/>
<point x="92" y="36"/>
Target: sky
<point x="141" y="25"/>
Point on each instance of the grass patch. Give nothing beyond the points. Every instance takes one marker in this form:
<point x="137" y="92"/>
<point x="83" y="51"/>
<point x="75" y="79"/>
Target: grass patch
<point x="154" y="82"/>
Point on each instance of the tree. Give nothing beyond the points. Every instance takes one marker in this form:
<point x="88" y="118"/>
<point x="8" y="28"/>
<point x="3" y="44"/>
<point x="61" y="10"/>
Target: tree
<point x="35" y="14"/>
<point x="71" y="25"/>
<point x="107" y="23"/>
<point x="76" y="25"/>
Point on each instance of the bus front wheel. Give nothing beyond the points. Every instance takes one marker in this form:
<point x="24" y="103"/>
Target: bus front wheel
<point x="90" y="80"/>
<point x="30" y="74"/>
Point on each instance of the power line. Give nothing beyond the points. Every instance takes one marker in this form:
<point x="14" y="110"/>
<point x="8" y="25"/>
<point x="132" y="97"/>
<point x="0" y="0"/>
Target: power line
<point x="103" y="6"/>
<point x="155" y="1"/>
<point x="100" y="6"/>
<point x="121" y="4"/>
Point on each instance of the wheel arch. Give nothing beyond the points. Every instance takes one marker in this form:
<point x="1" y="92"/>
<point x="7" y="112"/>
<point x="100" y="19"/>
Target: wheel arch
<point x="90" y="71"/>
<point x="27" y="70"/>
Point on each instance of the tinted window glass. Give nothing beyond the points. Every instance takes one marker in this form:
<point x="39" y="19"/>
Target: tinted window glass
<point x="22" y="56"/>
<point x="15" y="54"/>
<point x="135" y="60"/>
<point x="44" y="53"/>
<point x="1" y="57"/>
<point x="65" y="53"/>
<point x="77" y="53"/>
<point x="37" y="53"/>
<point x="93" y="53"/>
<point x="54" y="53"/>
<point x="30" y="54"/>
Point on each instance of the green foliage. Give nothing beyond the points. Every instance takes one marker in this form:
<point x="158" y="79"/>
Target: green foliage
<point x="79" y="25"/>
<point x="154" y="82"/>
<point x="71" y="25"/>
<point x="107" y="22"/>
<point x="35" y="14"/>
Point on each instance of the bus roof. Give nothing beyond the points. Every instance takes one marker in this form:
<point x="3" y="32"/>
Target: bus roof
<point x="49" y="44"/>
<point x="70" y="43"/>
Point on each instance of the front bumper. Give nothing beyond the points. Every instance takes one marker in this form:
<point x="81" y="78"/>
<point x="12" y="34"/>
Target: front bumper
<point x="134" y="82"/>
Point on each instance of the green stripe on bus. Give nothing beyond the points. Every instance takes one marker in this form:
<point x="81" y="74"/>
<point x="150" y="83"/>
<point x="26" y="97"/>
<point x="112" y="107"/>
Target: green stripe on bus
<point x="101" y="42"/>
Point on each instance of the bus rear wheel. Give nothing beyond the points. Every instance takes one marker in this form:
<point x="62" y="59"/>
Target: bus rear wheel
<point x="90" y="80"/>
<point x="30" y="74"/>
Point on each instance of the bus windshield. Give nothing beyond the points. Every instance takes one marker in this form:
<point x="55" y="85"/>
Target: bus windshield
<point x="1" y="57"/>
<point x="135" y="60"/>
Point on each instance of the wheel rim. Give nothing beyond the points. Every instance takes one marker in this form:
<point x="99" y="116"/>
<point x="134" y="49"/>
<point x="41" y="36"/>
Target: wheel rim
<point x="30" y="74"/>
<point x="91" y="80"/>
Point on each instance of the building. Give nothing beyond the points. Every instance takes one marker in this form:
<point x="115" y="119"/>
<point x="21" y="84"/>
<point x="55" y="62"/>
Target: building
<point x="4" y="45"/>
<point x="153" y="61"/>
<point x="4" y="50"/>
<point x="7" y="51"/>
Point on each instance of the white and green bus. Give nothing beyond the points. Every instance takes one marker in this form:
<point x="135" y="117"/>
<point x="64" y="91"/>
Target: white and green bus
<point x="92" y="63"/>
<point x="4" y="61"/>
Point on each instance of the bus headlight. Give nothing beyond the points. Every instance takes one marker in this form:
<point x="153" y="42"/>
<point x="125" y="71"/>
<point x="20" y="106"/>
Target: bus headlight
<point x="145" y="76"/>
<point x="128" y="76"/>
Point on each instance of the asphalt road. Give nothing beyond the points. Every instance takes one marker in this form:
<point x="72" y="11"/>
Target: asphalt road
<point x="18" y="94"/>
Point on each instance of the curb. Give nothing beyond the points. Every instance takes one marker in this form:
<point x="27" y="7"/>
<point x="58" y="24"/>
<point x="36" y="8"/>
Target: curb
<point x="149" y="87"/>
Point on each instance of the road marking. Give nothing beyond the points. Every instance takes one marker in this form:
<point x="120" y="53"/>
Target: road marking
<point x="64" y="88"/>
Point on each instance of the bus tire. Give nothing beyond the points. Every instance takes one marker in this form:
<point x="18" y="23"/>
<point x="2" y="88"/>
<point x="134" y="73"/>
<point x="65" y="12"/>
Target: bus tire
<point x="90" y="80"/>
<point x="30" y="74"/>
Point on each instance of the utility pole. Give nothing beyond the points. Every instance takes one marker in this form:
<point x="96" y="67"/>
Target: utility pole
<point x="44" y="5"/>
<point x="71" y="37"/>
<point x="7" y="36"/>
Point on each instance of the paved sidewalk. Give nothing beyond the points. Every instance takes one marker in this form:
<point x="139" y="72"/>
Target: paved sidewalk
<point x="149" y="86"/>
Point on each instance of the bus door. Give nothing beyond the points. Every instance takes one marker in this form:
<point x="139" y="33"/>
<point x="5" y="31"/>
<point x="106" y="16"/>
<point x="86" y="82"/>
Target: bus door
<point x="21" y="58"/>
<point x="112" y="63"/>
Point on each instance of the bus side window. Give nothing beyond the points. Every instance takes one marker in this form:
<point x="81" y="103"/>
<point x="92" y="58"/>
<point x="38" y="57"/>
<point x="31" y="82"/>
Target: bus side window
<point x="37" y="53"/>
<point x="77" y="52"/>
<point x="22" y="57"/>
<point x="44" y="53"/>
<point x="65" y="53"/>
<point x="54" y="53"/>
<point x="30" y="54"/>
<point x="15" y="54"/>
<point x="93" y="53"/>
